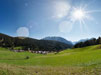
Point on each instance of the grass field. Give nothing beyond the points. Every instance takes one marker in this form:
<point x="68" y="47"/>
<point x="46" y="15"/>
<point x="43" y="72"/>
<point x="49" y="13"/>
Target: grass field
<point x="79" y="61"/>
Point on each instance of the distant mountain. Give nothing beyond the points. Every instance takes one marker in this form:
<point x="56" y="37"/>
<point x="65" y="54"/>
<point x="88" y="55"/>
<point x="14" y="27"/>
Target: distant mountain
<point x="29" y="43"/>
<point x="82" y="40"/>
<point x="60" y="39"/>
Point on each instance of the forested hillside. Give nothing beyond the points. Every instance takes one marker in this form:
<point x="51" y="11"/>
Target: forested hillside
<point x="33" y="44"/>
<point x="90" y="42"/>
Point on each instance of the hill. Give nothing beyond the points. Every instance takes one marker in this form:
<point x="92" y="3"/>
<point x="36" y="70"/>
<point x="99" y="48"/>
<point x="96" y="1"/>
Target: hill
<point x="60" y="39"/>
<point x="29" y="43"/>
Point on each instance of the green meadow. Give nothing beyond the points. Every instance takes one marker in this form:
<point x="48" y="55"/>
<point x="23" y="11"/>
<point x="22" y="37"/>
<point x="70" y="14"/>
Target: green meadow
<point x="77" y="61"/>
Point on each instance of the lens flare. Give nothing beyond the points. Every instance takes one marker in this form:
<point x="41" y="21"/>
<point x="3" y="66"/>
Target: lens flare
<point x="23" y="32"/>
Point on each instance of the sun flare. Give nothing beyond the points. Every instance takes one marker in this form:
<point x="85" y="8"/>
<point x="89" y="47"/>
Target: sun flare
<point x="78" y="14"/>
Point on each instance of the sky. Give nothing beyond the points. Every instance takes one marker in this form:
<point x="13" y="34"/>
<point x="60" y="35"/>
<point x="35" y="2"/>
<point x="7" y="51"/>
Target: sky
<point x="70" y="19"/>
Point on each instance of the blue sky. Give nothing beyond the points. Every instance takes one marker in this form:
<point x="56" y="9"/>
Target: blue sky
<point x="41" y="18"/>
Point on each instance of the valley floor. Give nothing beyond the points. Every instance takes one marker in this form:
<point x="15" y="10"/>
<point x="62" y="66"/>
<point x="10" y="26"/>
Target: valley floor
<point x="78" y="61"/>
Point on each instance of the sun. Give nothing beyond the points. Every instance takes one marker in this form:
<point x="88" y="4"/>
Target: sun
<point x="81" y="16"/>
<point x="78" y="14"/>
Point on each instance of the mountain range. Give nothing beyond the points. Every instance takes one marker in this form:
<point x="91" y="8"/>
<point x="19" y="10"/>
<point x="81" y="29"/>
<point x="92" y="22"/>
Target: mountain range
<point x="82" y="40"/>
<point x="60" y="39"/>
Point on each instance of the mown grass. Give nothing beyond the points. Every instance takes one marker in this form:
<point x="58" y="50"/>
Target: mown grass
<point x="78" y="61"/>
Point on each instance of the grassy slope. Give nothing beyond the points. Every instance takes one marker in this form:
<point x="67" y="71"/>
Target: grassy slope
<point x="75" y="59"/>
<point x="87" y="56"/>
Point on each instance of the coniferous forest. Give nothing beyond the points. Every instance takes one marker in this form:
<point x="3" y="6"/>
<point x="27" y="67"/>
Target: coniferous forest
<point x="33" y="44"/>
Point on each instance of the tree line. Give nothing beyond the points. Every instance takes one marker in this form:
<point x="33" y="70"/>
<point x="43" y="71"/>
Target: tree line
<point x="90" y="42"/>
